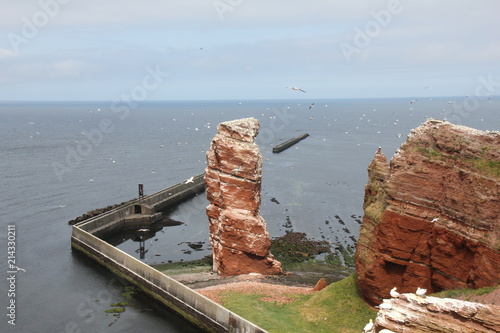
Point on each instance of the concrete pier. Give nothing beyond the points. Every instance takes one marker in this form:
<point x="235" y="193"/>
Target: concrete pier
<point x="196" y="308"/>
<point x="287" y="144"/>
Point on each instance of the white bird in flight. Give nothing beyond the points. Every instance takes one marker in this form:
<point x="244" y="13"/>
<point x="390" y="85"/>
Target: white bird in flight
<point x="19" y="269"/>
<point x="295" y="88"/>
<point x="190" y="180"/>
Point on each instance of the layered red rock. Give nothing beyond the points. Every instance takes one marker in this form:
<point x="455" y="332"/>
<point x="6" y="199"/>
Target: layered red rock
<point x="431" y="215"/>
<point x="412" y="313"/>
<point x="238" y="235"/>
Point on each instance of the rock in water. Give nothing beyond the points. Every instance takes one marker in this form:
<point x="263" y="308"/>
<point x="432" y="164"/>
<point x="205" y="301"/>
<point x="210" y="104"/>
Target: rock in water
<point x="431" y="216"/>
<point x="240" y="241"/>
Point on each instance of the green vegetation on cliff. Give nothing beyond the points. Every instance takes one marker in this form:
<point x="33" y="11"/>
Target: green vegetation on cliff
<point x="337" y="308"/>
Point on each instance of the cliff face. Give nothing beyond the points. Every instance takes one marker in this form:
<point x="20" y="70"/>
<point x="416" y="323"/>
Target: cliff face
<point x="240" y="241"/>
<point x="412" y="313"/>
<point x="432" y="214"/>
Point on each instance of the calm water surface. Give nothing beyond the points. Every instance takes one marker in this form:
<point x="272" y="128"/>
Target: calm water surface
<point x="59" y="160"/>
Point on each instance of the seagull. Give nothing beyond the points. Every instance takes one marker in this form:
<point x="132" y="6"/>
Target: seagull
<point x="295" y="88"/>
<point x="420" y="292"/>
<point x="311" y="106"/>
<point x="435" y="220"/>
<point x="190" y="180"/>
<point x="19" y="269"/>
<point x="394" y="293"/>
<point x="368" y="326"/>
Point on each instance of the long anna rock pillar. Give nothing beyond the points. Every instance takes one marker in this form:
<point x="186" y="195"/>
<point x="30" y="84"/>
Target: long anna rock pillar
<point x="238" y="235"/>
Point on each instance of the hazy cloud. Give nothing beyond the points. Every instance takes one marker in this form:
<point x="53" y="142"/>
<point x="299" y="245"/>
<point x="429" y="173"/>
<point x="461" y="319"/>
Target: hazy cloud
<point x="251" y="48"/>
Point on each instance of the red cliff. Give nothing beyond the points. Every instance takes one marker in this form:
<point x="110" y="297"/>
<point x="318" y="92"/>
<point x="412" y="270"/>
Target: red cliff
<point x="238" y="235"/>
<point x="431" y="215"/>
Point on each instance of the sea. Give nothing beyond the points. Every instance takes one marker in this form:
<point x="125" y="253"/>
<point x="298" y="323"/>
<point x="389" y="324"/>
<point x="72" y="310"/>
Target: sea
<point x="61" y="159"/>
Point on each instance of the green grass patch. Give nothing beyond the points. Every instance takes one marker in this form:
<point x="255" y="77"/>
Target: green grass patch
<point x="486" y="167"/>
<point x="432" y="154"/>
<point x="270" y="316"/>
<point x="483" y="164"/>
<point x="465" y="294"/>
<point x="337" y="308"/>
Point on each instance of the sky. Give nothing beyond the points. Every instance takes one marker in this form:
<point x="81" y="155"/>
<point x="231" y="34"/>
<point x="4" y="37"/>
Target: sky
<point x="79" y="50"/>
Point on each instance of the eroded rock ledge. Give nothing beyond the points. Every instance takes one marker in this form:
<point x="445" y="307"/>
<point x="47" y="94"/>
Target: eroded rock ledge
<point x="412" y="313"/>
<point x="431" y="215"/>
<point x="240" y="241"/>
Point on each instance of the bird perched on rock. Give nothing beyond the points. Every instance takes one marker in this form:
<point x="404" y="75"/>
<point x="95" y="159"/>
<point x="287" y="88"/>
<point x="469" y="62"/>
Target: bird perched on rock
<point x="368" y="326"/>
<point x="394" y="293"/>
<point x="385" y="305"/>
<point x="420" y="292"/>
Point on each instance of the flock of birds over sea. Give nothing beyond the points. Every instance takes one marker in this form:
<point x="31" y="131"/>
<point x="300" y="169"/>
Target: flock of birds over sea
<point x="365" y="117"/>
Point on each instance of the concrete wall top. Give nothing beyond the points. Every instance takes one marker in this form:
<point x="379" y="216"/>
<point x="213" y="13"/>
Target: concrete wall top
<point x="190" y="297"/>
<point x="83" y="232"/>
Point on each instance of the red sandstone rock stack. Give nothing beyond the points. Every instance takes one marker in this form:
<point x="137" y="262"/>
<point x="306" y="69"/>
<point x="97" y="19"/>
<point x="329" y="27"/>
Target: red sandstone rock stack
<point x="432" y="214"/>
<point x="238" y="235"/>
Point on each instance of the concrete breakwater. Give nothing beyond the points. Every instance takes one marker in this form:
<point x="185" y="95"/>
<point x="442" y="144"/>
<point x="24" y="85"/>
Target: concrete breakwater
<point x="287" y="144"/>
<point x="156" y="202"/>
<point x="143" y="212"/>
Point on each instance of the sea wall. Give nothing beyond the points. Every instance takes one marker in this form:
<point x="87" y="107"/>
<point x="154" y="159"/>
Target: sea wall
<point x="196" y="308"/>
<point x="143" y="211"/>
